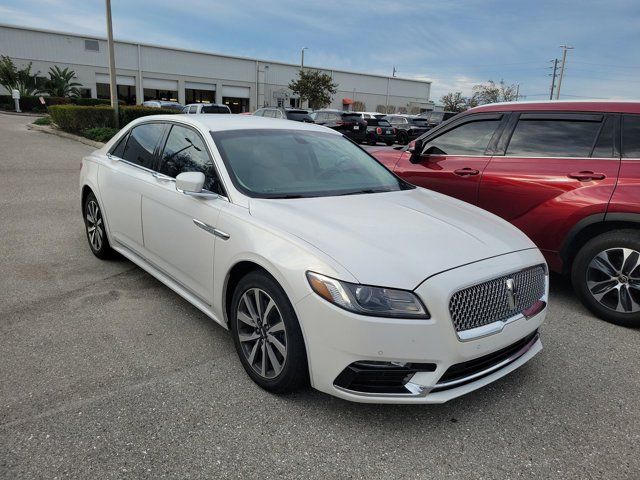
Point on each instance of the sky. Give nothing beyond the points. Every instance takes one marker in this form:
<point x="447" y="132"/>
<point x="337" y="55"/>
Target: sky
<point x="454" y="43"/>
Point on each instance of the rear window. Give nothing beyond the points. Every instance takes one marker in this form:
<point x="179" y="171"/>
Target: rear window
<point x="351" y="116"/>
<point x="299" y="116"/>
<point x="553" y="138"/>
<point x="214" y="109"/>
<point x="383" y="123"/>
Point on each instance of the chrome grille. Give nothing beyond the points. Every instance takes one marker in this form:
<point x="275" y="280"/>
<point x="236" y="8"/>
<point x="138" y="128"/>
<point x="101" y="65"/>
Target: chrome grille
<point x="489" y="302"/>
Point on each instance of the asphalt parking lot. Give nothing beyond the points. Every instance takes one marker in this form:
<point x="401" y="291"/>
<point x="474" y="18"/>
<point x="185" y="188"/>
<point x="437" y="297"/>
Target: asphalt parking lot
<point x="106" y="373"/>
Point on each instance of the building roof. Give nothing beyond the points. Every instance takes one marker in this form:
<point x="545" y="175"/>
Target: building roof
<point x="93" y="37"/>
<point x="619" y="106"/>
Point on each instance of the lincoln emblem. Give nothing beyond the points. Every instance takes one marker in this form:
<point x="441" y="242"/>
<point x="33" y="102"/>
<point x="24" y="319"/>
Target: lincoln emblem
<point x="512" y="289"/>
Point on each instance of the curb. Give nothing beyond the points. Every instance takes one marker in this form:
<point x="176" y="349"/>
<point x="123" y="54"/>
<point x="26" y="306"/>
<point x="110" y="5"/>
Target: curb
<point x="60" y="133"/>
<point x="23" y="114"/>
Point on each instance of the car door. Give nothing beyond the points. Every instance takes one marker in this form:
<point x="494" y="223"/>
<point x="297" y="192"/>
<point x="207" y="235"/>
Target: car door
<point x="127" y="173"/>
<point x="626" y="198"/>
<point x="178" y="228"/>
<point x="550" y="171"/>
<point x="452" y="160"/>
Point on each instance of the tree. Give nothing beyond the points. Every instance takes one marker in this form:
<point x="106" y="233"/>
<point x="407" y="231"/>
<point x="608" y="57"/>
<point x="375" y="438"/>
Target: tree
<point x="454" y="102"/>
<point x="314" y="86"/>
<point x="358" y="106"/>
<point x="491" y="92"/>
<point x="21" y="79"/>
<point x="61" y="84"/>
<point x="402" y="110"/>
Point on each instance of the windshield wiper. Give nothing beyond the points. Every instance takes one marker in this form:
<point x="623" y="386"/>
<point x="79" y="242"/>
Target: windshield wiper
<point x="367" y="190"/>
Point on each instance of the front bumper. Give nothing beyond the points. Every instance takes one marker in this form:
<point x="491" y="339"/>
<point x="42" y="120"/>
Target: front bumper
<point x="336" y="339"/>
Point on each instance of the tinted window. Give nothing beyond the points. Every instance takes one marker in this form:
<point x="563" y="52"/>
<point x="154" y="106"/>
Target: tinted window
<point x="631" y="136"/>
<point x="420" y="122"/>
<point x="193" y="109"/>
<point x="185" y="152"/>
<point x="468" y="139"/>
<point x="277" y="163"/>
<point x="214" y="109"/>
<point x="553" y="138"/>
<point x="604" y="145"/>
<point x="119" y="148"/>
<point x="299" y="116"/>
<point x="351" y="117"/>
<point x="383" y="123"/>
<point x="374" y="122"/>
<point x="141" y="144"/>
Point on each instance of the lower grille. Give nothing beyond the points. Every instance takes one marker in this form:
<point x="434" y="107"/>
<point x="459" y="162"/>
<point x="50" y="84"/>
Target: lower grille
<point x="498" y="299"/>
<point x="466" y="372"/>
<point x="380" y="377"/>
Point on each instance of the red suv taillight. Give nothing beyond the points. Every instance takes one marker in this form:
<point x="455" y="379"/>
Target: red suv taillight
<point x="379" y="131"/>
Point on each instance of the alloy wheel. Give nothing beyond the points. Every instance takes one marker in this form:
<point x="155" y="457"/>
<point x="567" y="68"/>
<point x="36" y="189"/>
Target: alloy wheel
<point x="613" y="278"/>
<point x="95" y="225"/>
<point x="262" y="333"/>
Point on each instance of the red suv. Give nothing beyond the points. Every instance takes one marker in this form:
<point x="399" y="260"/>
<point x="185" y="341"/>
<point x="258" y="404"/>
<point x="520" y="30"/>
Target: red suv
<point x="566" y="173"/>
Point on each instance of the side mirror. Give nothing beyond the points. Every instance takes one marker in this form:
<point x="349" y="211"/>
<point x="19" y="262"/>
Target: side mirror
<point x="416" y="151"/>
<point x="190" y="182"/>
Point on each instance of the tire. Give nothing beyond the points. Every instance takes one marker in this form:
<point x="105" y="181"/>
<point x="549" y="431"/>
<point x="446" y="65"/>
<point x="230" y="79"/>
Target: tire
<point x="389" y="143"/>
<point x="94" y="228"/>
<point x="403" y="138"/>
<point x="606" y="277"/>
<point x="272" y="349"/>
<point x="372" y="141"/>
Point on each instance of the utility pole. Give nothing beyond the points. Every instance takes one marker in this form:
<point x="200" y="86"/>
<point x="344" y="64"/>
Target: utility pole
<point x="564" y="62"/>
<point x="517" y="92"/>
<point x="394" y="71"/>
<point x="112" y="67"/>
<point x="553" y="78"/>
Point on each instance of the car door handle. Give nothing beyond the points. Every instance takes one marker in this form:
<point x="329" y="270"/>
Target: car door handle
<point x="162" y="178"/>
<point x="587" y="175"/>
<point x="466" y="172"/>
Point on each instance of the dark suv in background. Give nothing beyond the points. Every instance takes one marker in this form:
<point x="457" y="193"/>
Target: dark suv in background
<point x="566" y="173"/>
<point x="379" y="130"/>
<point x="297" y="115"/>
<point x="408" y="127"/>
<point x="350" y="124"/>
<point x="436" y="118"/>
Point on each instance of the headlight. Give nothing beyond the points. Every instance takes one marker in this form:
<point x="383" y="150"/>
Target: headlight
<point x="368" y="300"/>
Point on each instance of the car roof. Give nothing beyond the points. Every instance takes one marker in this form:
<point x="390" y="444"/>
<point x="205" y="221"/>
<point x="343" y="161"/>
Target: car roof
<point x="206" y="104"/>
<point x="227" y="121"/>
<point x="619" y="106"/>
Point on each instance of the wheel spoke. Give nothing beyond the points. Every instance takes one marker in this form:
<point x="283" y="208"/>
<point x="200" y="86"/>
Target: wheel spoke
<point x="248" y="337"/>
<point x="601" y="262"/>
<point x="252" y="355"/>
<point x="276" y="327"/>
<point x="631" y="261"/>
<point x="603" y="286"/>
<point x="278" y="344"/>
<point x="244" y="318"/>
<point x="275" y="363"/>
<point x="256" y="294"/>
<point x="600" y="295"/>
<point x="268" y="309"/>
<point x="250" y="308"/>
<point x="263" y="369"/>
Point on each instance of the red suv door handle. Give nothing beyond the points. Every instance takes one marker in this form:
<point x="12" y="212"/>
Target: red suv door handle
<point x="587" y="175"/>
<point x="466" y="172"/>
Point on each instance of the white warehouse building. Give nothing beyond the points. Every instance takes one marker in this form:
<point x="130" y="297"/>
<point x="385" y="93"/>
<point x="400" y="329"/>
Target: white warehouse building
<point x="146" y="72"/>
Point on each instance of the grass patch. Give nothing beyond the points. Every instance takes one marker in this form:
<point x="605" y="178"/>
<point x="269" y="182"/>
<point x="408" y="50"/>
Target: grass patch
<point x="100" y="134"/>
<point x="43" y="121"/>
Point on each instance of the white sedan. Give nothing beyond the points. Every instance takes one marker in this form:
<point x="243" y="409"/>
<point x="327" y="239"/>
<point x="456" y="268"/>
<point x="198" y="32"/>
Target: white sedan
<point x="327" y="269"/>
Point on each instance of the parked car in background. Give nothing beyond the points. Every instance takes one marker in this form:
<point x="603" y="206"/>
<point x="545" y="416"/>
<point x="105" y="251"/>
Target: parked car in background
<point x="408" y="127"/>
<point x="566" y="173"/>
<point x="215" y="108"/>
<point x="295" y="114"/>
<point x="380" y="130"/>
<point x="350" y="124"/>
<point x="436" y="118"/>
<point x="163" y="104"/>
<point x="267" y="227"/>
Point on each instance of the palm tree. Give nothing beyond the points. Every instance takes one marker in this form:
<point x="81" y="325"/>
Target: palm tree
<point x="61" y="84"/>
<point x="21" y="79"/>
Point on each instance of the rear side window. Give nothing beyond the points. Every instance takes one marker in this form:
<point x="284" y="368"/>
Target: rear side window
<point x="467" y="139"/>
<point x="604" y="146"/>
<point x="119" y="148"/>
<point x="193" y="109"/>
<point x="553" y="138"/>
<point x="631" y="136"/>
<point x="142" y="143"/>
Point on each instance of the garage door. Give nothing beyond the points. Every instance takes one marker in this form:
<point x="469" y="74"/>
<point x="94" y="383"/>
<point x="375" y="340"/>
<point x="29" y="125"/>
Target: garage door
<point x="120" y="79"/>
<point x="200" y="86"/>
<point x="160" y="84"/>
<point x="235" y="92"/>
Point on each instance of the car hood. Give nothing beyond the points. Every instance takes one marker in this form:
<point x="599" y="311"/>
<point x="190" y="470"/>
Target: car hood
<point x="393" y="239"/>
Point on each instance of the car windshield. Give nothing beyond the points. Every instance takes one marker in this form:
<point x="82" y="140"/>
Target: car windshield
<point x="297" y="163"/>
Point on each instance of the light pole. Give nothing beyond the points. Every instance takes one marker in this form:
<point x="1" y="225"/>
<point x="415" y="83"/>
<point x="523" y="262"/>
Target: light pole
<point x="302" y="69"/>
<point x="112" y="67"/>
<point x="564" y="61"/>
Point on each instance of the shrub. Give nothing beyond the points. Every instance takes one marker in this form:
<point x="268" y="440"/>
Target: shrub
<point x="32" y="104"/>
<point x="128" y="114"/>
<point x="76" y="118"/>
<point x="100" y="134"/>
<point x="43" y="121"/>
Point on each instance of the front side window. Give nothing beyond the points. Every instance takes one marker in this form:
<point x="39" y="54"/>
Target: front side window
<point x="553" y="138"/>
<point x="631" y="136"/>
<point x="185" y="151"/>
<point x="142" y="143"/>
<point x="467" y="139"/>
<point x="296" y="163"/>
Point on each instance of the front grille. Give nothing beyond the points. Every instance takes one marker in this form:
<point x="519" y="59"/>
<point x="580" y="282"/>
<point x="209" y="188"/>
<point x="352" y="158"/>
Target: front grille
<point x="490" y="301"/>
